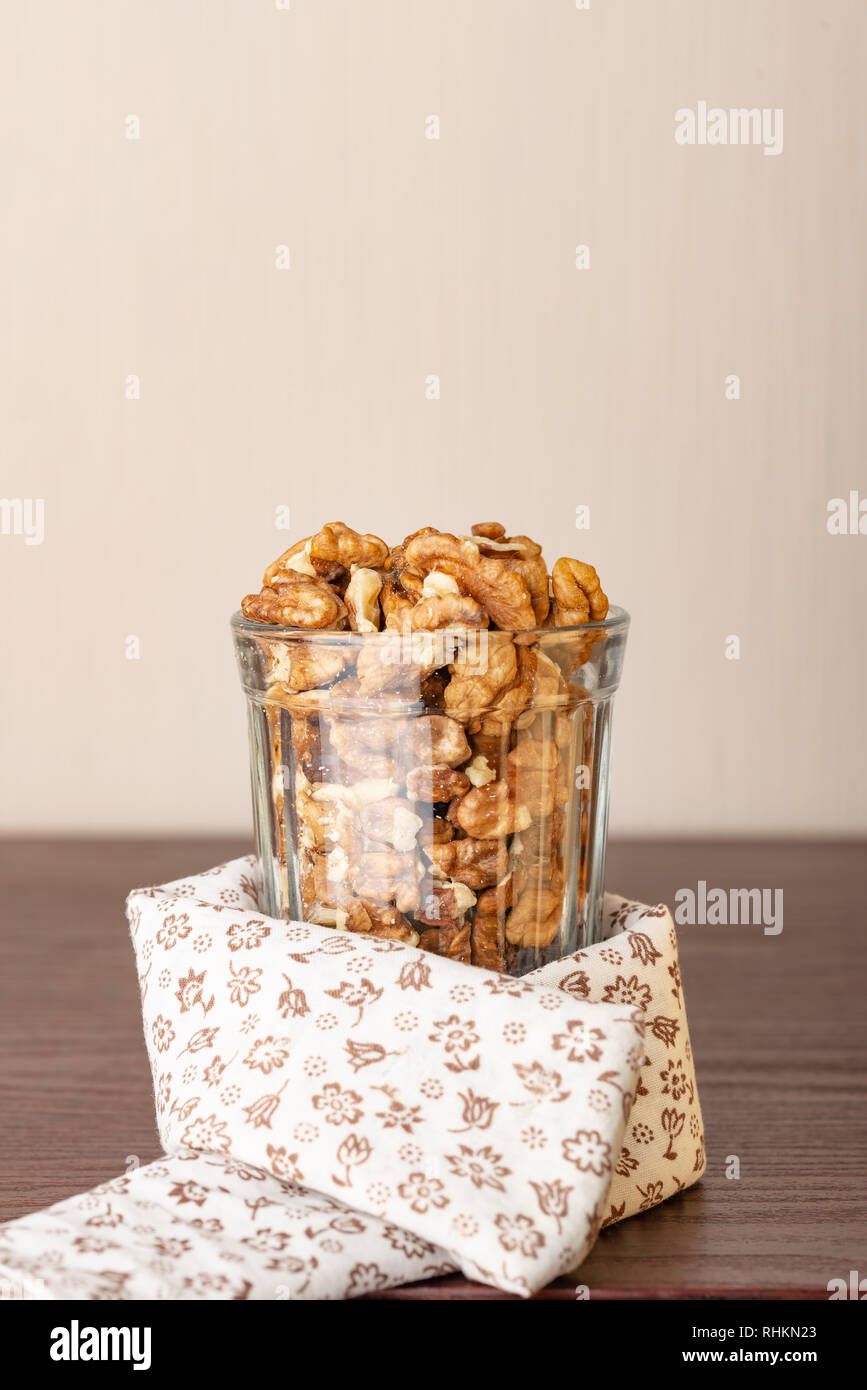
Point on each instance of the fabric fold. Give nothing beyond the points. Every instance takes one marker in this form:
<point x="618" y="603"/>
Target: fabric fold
<point x="343" y="1113"/>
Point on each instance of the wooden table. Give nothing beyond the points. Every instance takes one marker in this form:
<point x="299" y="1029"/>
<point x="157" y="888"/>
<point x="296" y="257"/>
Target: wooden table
<point x="779" y="1028"/>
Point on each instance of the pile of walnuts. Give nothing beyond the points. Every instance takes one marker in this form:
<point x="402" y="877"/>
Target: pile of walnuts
<point x="426" y="775"/>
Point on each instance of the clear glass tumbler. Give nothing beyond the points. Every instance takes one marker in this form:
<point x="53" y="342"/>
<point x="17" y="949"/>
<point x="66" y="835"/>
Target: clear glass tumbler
<point x="448" y="789"/>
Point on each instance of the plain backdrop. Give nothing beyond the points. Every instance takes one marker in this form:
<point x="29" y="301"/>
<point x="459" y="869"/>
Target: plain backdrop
<point x="306" y="127"/>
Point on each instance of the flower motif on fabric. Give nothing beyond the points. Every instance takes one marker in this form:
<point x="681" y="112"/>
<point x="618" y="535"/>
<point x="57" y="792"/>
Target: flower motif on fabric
<point x="514" y="1033"/>
<point x="457" y="1038"/>
<point x="338" y="1106"/>
<point x="651" y="1194"/>
<point x="423" y="1193"/>
<point x="533" y="1137"/>
<point x="267" y="1054"/>
<point x="519" y="1233"/>
<point x="162" y="1033"/>
<point x="576" y="983"/>
<point x="674" y="1080"/>
<point x="243" y="983"/>
<point x="478" y="1112"/>
<point x="553" y="1199"/>
<point x="207" y="1133"/>
<point x="284" y="1164"/>
<point x="261" y="1111"/>
<point x="588" y="1151"/>
<point x="628" y="992"/>
<point x="482" y="1167"/>
<point x="673" y="1122"/>
<point x="415" y="974"/>
<point x="547" y="1085"/>
<point x="292" y="1003"/>
<point x="365" y="1279"/>
<point x="247" y="936"/>
<point x="190" y="993"/>
<point x="357" y="997"/>
<point x="407" y="1243"/>
<point x="642" y="948"/>
<point x="580" y="1042"/>
<point x="193" y="1192"/>
<point x="398" y="1115"/>
<point x="174" y="929"/>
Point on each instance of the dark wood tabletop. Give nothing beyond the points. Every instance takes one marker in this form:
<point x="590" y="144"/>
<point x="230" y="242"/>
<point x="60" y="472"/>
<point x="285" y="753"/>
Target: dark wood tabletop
<point x="779" y="1030"/>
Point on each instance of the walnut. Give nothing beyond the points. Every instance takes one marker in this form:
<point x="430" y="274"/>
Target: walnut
<point x="447" y="610"/>
<point x="411" y="585"/>
<point x="293" y="561"/>
<point x="385" y="876"/>
<point x="489" y="812"/>
<point x="330" y="871"/>
<point x="523" y="556"/>
<point x="477" y="863"/>
<point x="396" y="561"/>
<point x="442" y="903"/>
<point x="392" y="821"/>
<point x="298" y="602"/>
<point x="491" y="539"/>
<point x="493" y="748"/>
<point x="429" y="940"/>
<point x="396" y="605"/>
<point x="533" y="755"/>
<point x="298" y="666"/>
<point x="339" y="544"/>
<point x="438" y="585"/>
<point x="496" y="901"/>
<point x="527" y="926"/>
<point x="488" y="945"/>
<point x="438" y="740"/>
<point x="534" y="573"/>
<point x="480" y="771"/>
<point x="386" y="922"/>
<point x="362" y="600"/>
<point x="354" y="797"/>
<point x="480" y="677"/>
<point x="532" y="775"/>
<point x="455" y="943"/>
<point x="384" y="665"/>
<point x="440" y="831"/>
<point x="515" y="699"/>
<point x="501" y="591"/>
<point x="317" y="820"/>
<point x="345" y="692"/>
<point x="535" y="919"/>
<point x="436" y="783"/>
<point x="578" y="596"/>
<point x="356" y="755"/>
<point x="491" y="530"/>
<point x="432" y="691"/>
<point x="399" y="661"/>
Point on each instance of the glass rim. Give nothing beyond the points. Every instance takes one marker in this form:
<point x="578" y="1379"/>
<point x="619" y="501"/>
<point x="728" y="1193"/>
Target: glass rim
<point x="617" y="620"/>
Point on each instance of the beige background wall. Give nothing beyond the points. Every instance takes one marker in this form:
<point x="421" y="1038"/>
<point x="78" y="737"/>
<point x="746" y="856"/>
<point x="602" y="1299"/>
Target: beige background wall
<point x="409" y="257"/>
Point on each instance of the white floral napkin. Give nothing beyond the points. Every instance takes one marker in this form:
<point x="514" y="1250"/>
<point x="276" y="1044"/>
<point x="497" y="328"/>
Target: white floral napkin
<point x="204" y="1226"/>
<point x="478" y="1114"/>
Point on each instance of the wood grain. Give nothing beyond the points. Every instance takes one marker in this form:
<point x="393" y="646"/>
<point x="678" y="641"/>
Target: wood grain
<point x="778" y="1024"/>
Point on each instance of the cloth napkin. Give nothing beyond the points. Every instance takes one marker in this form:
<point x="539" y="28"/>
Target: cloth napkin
<point x="205" y="1226"/>
<point x="395" y="1114"/>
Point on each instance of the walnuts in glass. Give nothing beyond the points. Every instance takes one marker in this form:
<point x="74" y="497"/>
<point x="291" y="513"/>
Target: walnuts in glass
<point x="417" y="698"/>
